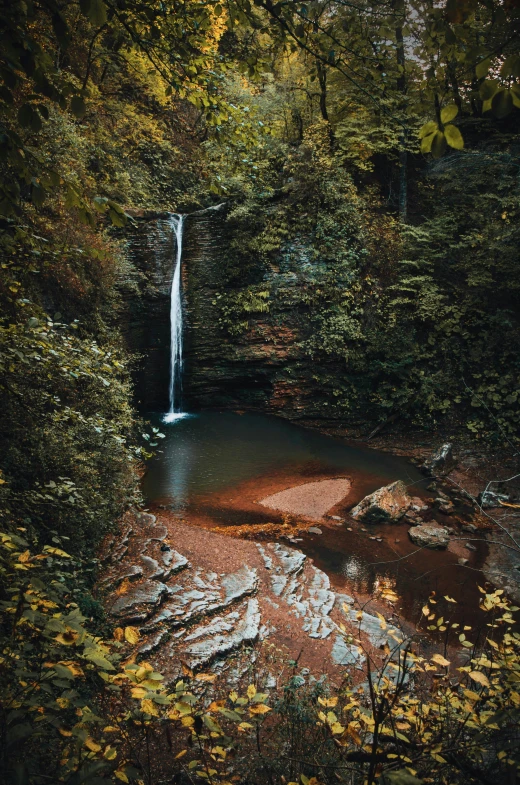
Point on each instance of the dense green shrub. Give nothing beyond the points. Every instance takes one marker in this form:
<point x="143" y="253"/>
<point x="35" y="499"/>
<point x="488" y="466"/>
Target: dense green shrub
<point x="68" y="459"/>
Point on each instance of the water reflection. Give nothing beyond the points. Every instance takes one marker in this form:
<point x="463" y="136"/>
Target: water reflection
<point x="213" y="450"/>
<point x="356" y="571"/>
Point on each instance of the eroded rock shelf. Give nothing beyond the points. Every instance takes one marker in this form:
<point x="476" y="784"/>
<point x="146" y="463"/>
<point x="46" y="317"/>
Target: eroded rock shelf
<point x="203" y="615"/>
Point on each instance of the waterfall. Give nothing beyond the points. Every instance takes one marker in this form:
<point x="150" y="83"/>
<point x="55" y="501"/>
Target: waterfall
<point x="175" y="412"/>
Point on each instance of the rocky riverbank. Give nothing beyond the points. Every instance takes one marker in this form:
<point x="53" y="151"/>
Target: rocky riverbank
<point x="206" y="601"/>
<point x="203" y="602"/>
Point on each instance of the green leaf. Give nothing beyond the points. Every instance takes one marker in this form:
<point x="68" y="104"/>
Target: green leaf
<point x="99" y="660"/>
<point x="38" y="194"/>
<point x="94" y="10"/>
<point x="100" y="204"/>
<point x="231" y="715"/>
<point x="511" y="66"/>
<point x="63" y="672"/>
<point x="488" y="89"/>
<point x="28" y="117"/>
<point x="116" y="218"/>
<point x="515" y="94"/>
<point x="426" y="144"/>
<point x="428" y="128"/>
<point x="449" y="113"/>
<point x="210" y="723"/>
<point x="399" y="777"/>
<point x="438" y="147"/>
<point x="454" y="137"/>
<point x="61" y="29"/>
<point x="78" y="107"/>
<point x="502" y="103"/>
<point x="482" y="68"/>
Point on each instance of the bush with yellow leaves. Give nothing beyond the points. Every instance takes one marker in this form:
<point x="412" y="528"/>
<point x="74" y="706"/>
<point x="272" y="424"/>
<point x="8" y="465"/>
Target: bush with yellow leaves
<point x="72" y="711"/>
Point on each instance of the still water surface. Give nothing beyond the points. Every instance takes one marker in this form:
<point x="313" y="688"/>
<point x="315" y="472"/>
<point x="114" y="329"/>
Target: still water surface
<point x="214" y="450"/>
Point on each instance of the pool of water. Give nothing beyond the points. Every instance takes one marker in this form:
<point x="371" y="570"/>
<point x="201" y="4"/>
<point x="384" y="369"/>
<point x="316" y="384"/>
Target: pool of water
<point x="213" y="450"/>
<point x="212" y="468"/>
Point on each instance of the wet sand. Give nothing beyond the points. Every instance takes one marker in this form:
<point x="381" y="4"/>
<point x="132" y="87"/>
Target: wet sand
<point x="311" y="499"/>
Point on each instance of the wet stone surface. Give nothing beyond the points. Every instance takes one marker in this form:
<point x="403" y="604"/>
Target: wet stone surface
<point x="430" y="536"/>
<point x="387" y="504"/>
<point x="192" y="614"/>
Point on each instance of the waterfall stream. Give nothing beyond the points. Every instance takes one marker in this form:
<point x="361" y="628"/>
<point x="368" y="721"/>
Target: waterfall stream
<point x="175" y="392"/>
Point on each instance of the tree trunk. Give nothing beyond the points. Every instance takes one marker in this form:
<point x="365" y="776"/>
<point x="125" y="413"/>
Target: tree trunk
<point x="322" y="79"/>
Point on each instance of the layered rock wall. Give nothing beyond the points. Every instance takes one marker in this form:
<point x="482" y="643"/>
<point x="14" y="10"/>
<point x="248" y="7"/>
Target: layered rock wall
<point x="259" y="367"/>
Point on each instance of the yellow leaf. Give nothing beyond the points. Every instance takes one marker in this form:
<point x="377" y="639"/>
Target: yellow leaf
<point x="260" y="708"/>
<point x="449" y="599"/>
<point x="470" y="695"/>
<point x="440" y="660"/>
<point x="56" y="552"/>
<point x="121" y="776"/>
<point x="448" y="113"/>
<point x="149" y="707"/>
<point x="132" y="635"/>
<point x="65" y="732"/>
<point x="329" y="702"/>
<point x="110" y="753"/>
<point x="480" y="678"/>
<point x="425" y="610"/>
<point x="427" y="141"/>
<point x="251" y="691"/>
<point x="73" y="667"/>
<point x="454" y="137"/>
<point x="188" y="721"/>
<point x="68" y="637"/>
<point x="24" y="557"/>
<point x="92" y="745"/>
<point x="181" y="754"/>
<point x="138" y="692"/>
<point x="428" y="129"/>
<point x="110" y="729"/>
<point x="206" y="676"/>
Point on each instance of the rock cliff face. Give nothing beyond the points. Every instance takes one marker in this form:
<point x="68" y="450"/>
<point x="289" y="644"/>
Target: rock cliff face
<point x="146" y="284"/>
<point x="259" y="366"/>
<point x="219" y="373"/>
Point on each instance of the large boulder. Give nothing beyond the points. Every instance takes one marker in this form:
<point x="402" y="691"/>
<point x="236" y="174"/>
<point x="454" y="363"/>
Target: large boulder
<point x="385" y="505"/>
<point x="441" y="462"/>
<point x="430" y="536"/>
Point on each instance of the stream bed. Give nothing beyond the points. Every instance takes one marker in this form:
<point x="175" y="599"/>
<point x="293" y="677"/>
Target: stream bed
<point x="211" y="470"/>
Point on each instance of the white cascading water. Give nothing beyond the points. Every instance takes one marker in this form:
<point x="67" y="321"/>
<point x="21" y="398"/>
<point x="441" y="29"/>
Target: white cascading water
<point x="175" y="412"/>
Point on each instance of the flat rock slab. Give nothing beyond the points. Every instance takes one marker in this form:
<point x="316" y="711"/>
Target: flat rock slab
<point x="430" y="536"/>
<point x="312" y="500"/>
<point x="139" y="601"/>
